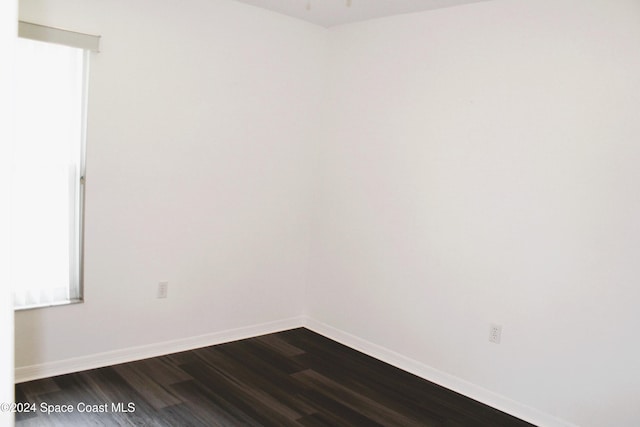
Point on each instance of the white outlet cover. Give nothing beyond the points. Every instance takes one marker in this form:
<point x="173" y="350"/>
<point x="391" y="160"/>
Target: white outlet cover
<point x="495" y="333"/>
<point x="163" y="289"/>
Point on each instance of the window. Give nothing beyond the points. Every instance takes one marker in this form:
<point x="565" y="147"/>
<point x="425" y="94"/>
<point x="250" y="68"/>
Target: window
<point x="48" y="167"/>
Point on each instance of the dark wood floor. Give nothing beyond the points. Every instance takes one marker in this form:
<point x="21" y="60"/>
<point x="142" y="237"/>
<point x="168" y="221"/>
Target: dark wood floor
<point x="292" y="378"/>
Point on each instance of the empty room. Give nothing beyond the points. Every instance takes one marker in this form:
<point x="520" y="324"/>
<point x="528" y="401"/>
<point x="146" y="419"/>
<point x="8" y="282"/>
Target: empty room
<point x="324" y="212"/>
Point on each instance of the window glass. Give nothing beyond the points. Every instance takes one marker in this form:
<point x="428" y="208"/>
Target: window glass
<point x="48" y="171"/>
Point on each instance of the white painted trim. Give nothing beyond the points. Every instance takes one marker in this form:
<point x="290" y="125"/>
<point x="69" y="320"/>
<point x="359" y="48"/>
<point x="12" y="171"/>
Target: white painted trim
<point x="99" y="360"/>
<point x="8" y="31"/>
<point x="502" y="403"/>
<point x="449" y="381"/>
<point x="43" y="33"/>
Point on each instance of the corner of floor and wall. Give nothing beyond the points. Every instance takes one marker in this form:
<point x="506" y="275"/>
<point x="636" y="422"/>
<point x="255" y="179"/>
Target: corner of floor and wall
<point x="398" y="185"/>
<point x="379" y="352"/>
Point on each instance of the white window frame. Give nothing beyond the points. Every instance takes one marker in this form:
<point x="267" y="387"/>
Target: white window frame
<point x="88" y="44"/>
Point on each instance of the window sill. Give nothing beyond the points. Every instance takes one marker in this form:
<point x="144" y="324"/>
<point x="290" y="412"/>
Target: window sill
<point x="54" y="304"/>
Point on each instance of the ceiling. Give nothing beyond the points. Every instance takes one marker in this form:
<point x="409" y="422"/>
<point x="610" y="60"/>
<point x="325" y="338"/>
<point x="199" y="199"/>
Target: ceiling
<point x="329" y="13"/>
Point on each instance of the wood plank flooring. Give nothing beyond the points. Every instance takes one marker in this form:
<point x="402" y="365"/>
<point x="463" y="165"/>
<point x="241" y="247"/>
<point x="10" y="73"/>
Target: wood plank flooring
<point x="291" y="378"/>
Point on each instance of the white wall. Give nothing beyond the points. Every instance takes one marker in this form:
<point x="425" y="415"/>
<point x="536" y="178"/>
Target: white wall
<point x="482" y="166"/>
<point x="8" y="28"/>
<point x="201" y="116"/>
<point x="463" y="166"/>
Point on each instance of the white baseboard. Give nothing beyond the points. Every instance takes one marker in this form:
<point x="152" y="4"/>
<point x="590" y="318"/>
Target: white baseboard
<point x="451" y="382"/>
<point x="99" y="360"/>
<point x="534" y="416"/>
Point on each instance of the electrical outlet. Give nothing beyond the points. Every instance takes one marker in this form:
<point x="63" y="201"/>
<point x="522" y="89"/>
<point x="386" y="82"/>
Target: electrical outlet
<point x="495" y="332"/>
<point x="163" y="289"/>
